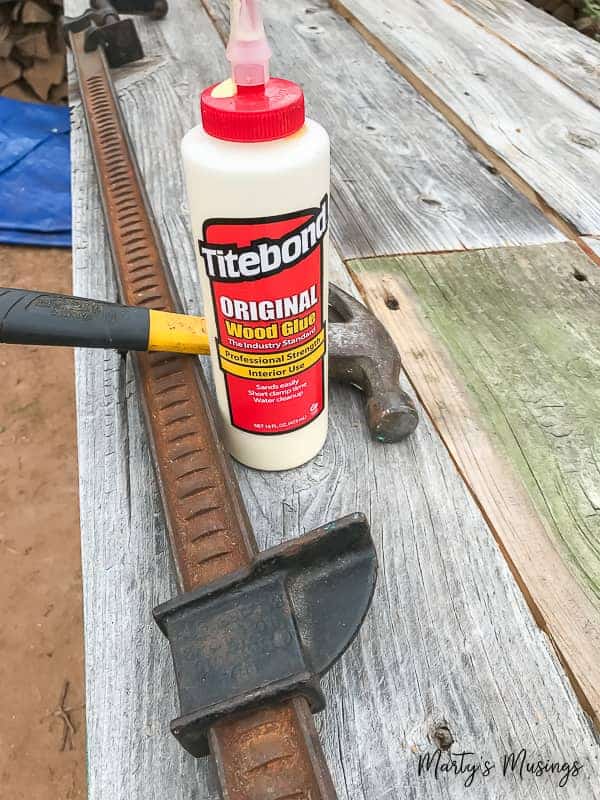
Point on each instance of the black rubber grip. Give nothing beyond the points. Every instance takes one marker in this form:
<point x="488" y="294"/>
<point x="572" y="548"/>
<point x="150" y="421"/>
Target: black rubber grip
<point x="57" y="319"/>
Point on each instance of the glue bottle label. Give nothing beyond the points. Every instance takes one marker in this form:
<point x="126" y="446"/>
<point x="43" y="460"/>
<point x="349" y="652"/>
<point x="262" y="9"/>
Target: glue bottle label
<point x="266" y="279"/>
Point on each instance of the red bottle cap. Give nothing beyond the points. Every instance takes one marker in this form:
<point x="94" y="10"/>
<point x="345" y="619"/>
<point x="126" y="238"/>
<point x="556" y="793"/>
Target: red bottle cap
<point x="255" y="113"/>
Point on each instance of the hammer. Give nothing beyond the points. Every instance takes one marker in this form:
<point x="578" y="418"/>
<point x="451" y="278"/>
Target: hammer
<point x="362" y="352"/>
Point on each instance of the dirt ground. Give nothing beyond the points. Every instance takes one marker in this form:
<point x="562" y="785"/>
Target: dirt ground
<point x="42" y="724"/>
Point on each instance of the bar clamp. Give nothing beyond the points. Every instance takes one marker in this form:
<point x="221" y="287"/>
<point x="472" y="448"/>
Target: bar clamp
<point x="270" y="631"/>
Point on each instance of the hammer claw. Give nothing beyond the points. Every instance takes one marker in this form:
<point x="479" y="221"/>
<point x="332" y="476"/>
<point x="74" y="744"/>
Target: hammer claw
<point x="364" y="355"/>
<point x="346" y="306"/>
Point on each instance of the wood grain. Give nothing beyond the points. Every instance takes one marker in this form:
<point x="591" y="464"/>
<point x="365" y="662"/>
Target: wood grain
<point x="594" y="244"/>
<point x="502" y="348"/>
<point x="438" y="649"/>
<point x="403" y="180"/>
<point x="546" y="139"/>
<point x="561" y="50"/>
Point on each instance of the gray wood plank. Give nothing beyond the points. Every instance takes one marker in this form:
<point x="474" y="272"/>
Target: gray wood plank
<point x="544" y="132"/>
<point x="403" y="180"/>
<point x="593" y="243"/>
<point x="449" y="640"/>
<point x="572" y="58"/>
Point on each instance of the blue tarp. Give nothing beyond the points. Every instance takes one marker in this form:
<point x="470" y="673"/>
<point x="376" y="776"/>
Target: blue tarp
<point x="35" y="174"/>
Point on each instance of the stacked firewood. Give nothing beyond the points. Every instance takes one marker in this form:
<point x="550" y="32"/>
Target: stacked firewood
<point x="32" y="51"/>
<point x="579" y="13"/>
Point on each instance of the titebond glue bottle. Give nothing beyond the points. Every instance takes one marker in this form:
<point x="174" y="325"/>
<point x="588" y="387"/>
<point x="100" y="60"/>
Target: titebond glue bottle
<point x="257" y="175"/>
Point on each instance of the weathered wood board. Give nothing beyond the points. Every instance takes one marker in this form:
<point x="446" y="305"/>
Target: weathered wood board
<point x="563" y="51"/>
<point x="449" y="641"/>
<point x="403" y="180"/>
<point x="547" y="135"/>
<point x="503" y="350"/>
<point x="593" y="243"/>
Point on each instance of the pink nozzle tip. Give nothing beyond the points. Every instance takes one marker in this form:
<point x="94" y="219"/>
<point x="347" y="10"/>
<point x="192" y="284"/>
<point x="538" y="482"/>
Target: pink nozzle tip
<point x="248" y="49"/>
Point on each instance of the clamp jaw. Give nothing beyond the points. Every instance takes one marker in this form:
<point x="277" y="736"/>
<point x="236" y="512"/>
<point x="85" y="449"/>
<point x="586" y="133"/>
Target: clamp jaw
<point x="270" y="631"/>
<point x="103" y="26"/>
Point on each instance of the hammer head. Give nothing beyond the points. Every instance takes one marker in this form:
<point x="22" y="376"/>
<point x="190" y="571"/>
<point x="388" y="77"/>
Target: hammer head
<point x="364" y="355"/>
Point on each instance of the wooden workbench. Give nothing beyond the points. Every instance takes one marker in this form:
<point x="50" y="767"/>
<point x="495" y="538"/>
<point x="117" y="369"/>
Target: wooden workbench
<point x="466" y="163"/>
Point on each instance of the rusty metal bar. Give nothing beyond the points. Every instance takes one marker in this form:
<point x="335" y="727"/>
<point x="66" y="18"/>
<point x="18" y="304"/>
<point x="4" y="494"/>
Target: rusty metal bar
<point x="272" y="753"/>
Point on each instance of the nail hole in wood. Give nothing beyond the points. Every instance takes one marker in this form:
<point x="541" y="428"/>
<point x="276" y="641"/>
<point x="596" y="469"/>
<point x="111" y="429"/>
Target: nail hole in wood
<point x="492" y="170"/>
<point x="391" y="302"/>
<point x="442" y="737"/>
<point x="579" y="276"/>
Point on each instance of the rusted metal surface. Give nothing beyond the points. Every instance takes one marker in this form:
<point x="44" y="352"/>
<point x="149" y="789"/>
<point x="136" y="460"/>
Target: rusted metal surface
<point x="273" y="753"/>
<point x="269" y="632"/>
<point x="209" y="530"/>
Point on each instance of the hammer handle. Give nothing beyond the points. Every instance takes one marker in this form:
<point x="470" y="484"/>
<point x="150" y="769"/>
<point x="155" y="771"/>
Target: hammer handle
<point x="28" y="317"/>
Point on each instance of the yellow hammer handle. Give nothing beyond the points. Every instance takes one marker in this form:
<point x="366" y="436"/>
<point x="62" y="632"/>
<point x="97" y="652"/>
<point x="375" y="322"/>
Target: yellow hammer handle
<point x="177" y="333"/>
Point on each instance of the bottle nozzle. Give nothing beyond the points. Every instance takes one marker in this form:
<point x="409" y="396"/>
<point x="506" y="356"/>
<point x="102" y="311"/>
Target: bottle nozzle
<point x="248" y="49"/>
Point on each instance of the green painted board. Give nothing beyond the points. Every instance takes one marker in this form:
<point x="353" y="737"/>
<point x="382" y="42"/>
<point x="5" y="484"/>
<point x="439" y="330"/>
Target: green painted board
<point x="521" y="327"/>
<point x="502" y="348"/>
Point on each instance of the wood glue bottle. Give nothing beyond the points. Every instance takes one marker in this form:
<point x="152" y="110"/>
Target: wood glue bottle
<point x="257" y="174"/>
